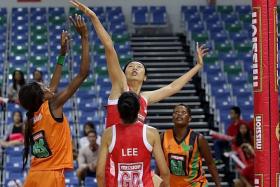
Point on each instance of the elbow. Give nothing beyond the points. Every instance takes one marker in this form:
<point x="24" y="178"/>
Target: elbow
<point x="165" y="174"/>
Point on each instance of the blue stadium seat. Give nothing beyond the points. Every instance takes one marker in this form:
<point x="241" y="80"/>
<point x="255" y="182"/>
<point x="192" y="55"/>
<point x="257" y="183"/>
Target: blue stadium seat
<point x="90" y="182"/>
<point x="56" y="11"/>
<point x="240" y="91"/>
<point x="140" y="15"/>
<point x="219" y="37"/>
<point x="113" y="11"/>
<point x="99" y="11"/>
<point x="20" y="11"/>
<point x="239" y="36"/>
<point x="192" y="19"/>
<point x="187" y="11"/>
<point x="86" y="93"/>
<point x="235" y="80"/>
<point x="41" y="50"/>
<point x="212" y="69"/>
<point x="38" y="10"/>
<point x="221" y="90"/>
<point x="196" y="28"/>
<point x="243" y="9"/>
<point x="18" y="60"/>
<point x="190" y="9"/>
<point x="228" y="58"/>
<point x="158" y="15"/>
<point x="71" y="181"/>
<point x="224" y="117"/>
<point x="217" y="79"/>
<point x="3" y="11"/>
<point x="212" y="19"/>
<point x="123" y="48"/>
<point x="223" y="103"/>
<point x="153" y="164"/>
<point x="20" y="29"/>
<point x="207" y="10"/>
<point x="215" y="27"/>
<point x="112" y="26"/>
<point x="230" y="18"/>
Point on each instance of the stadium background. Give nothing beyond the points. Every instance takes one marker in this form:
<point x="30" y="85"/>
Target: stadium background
<point x="164" y="41"/>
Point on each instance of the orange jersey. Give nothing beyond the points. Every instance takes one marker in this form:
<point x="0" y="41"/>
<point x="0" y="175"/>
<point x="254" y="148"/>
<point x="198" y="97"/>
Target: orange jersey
<point x="51" y="141"/>
<point x="184" y="160"/>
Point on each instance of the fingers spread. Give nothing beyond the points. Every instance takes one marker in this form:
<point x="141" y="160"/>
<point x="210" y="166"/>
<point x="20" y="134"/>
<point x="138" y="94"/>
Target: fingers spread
<point x="72" y="21"/>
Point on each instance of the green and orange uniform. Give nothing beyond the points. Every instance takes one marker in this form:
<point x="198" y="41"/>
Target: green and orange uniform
<point x="184" y="160"/>
<point x="51" y="149"/>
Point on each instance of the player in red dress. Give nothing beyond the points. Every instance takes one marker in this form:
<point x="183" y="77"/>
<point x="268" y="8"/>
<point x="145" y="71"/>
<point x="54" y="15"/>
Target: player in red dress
<point x="131" y="144"/>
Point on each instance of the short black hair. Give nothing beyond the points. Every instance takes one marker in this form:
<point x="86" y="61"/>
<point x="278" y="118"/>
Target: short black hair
<point x="186" y="106"/>
<point x="128" y="107"/>
<point x="236" y="109"/>
<point x="125" y="66"/>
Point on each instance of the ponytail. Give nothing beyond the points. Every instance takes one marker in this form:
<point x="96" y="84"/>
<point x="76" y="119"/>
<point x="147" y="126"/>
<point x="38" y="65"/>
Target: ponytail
<point x="31" y="97"/>
<point x="128" y="107"/>
<point x="27" y="137"/>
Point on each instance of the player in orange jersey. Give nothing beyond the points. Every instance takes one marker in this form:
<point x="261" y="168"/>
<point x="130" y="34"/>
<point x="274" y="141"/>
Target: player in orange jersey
<point x="47" y="132"/>
<point x="184" y="150"/>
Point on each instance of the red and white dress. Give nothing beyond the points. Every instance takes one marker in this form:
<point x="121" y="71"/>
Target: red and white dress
<point x="113" y="116"/>
<point x="131" y="153"/>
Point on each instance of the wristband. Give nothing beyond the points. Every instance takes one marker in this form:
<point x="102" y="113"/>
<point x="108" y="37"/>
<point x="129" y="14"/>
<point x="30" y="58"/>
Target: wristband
<point x="61" y="60"/>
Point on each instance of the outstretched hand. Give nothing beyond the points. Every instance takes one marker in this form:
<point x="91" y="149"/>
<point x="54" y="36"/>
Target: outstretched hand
<point x="87" y="11"/>
<point x="201" y="51"/>
<point x="80" y="25"/>
<point x="64" y="40"/>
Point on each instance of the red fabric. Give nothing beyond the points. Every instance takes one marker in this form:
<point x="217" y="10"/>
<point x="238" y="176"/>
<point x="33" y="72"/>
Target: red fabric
<point x="16" y="136"/>
<point x="248" y="171"/>
<point x="234" y="127"/>
<point x="131" y="156"/>
<point x="113" y="116"/>
<point x="251" y="126"/>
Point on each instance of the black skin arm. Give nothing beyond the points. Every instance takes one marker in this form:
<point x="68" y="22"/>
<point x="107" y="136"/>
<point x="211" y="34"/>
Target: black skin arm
<point x="59" y="99"/>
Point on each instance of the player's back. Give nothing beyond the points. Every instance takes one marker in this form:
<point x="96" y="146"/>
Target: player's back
<point x="131" y="154"/>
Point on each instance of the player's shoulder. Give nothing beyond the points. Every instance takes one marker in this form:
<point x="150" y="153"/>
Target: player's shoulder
<point x="151" y="129"/>
<point x="108" y="132"/>
<point x="152" y="133"/>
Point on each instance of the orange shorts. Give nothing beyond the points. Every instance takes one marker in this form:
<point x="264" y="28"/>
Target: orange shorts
<point x="52" y="178"/>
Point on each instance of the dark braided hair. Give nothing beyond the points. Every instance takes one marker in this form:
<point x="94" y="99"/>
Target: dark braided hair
<point x="128" y="107"/>
<point x="31" y="97"/>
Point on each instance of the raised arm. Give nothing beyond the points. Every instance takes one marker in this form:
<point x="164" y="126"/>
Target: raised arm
<point x="179" y="83"/>
<point x="63" y="96"/>
<point x="154" y="138"/>
<point x="60" y="61"/>
<point x="118" y="79"/>
<point x="102" y="157"/>
<point x="206" y="153"/>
